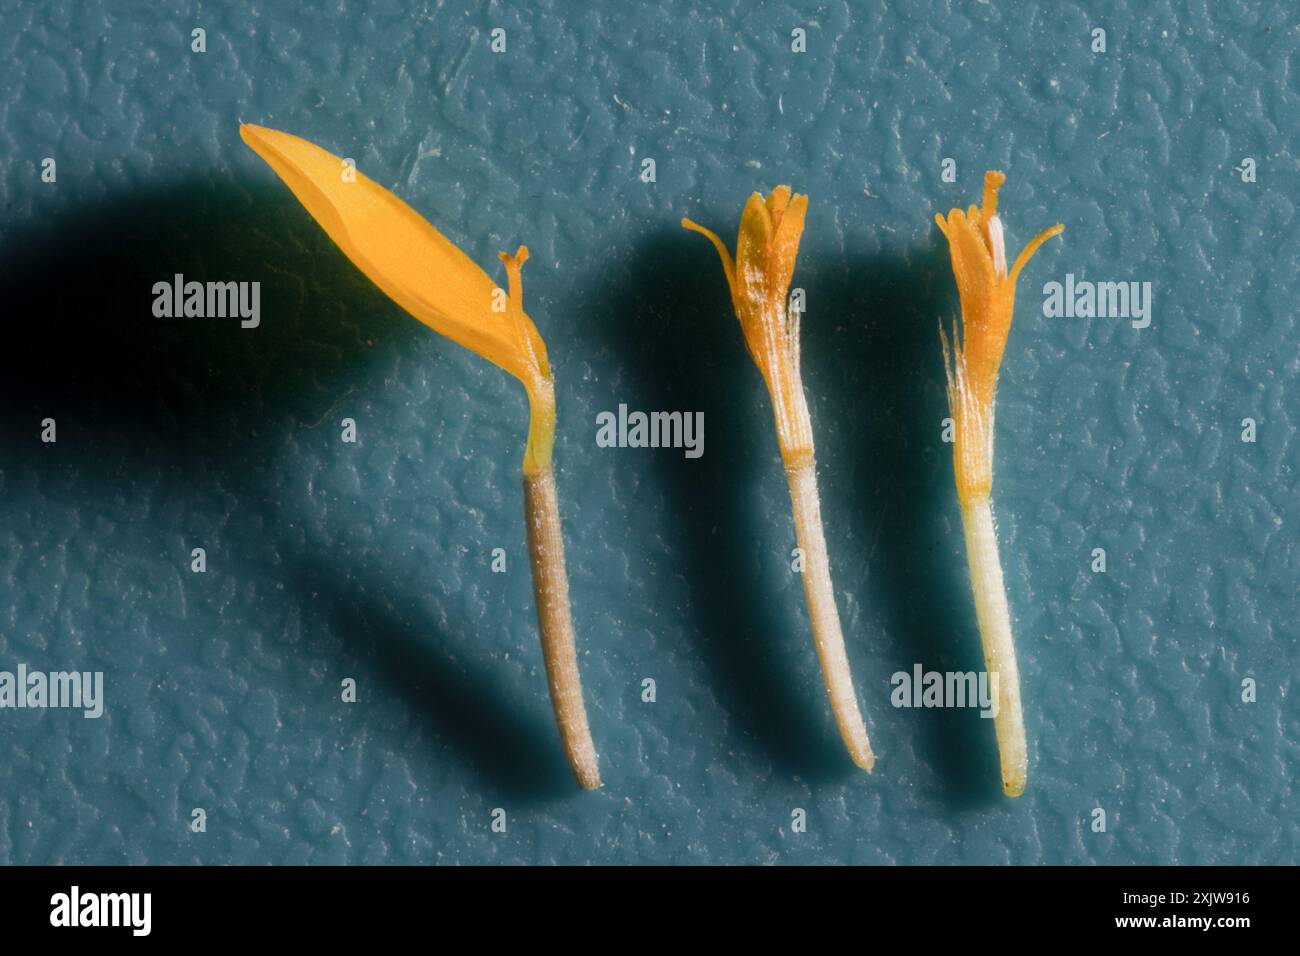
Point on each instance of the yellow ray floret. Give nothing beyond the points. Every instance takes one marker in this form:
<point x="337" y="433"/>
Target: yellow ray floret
<point x="418" y="268"/>
<point x="987" y="289"/>
<point x="759" y="278"/>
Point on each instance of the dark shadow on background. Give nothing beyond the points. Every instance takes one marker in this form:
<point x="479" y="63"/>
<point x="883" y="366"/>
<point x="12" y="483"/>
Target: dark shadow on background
<point x="880" y="387"/>
<point x="514" y="749"/>
<point x="82" y="344"/>
<point x="215" y="403"/>
<point x="669" y="318"/>
<point x="877" y="387"/>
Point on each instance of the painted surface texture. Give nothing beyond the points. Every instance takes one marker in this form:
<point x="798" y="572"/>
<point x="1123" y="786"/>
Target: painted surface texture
<point x="328" y="560"/>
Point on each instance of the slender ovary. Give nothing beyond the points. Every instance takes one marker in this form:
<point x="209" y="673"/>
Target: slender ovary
<point x="822" y="612"/>
<point x="559" y="648"/>
<point x="995" y="632"/>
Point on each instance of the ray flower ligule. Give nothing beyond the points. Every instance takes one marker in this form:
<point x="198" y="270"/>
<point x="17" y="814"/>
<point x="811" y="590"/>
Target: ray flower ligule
<point x="987" y="289"/>
<point x="433" y="280"/>
<point x="759" y="279"/>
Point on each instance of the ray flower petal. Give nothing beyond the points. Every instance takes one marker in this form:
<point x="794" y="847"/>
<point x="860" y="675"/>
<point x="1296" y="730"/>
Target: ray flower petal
<point x="433" y="280"/>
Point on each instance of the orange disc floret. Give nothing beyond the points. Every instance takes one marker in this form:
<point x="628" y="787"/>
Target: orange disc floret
<point x="759" y="278"/>
<point x="987" y="290"/>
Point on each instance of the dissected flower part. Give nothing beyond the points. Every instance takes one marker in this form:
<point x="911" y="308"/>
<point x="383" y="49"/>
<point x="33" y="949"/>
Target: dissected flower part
<point x="987" y="290"/>
<point x="433" y="280"/>
<point x="759" y="278"/>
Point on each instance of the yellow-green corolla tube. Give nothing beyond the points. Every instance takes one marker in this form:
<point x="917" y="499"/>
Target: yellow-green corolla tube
<point x="422" y="271"/>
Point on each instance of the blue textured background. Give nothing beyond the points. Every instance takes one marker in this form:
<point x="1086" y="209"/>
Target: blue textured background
<point x="371" y="560"/>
